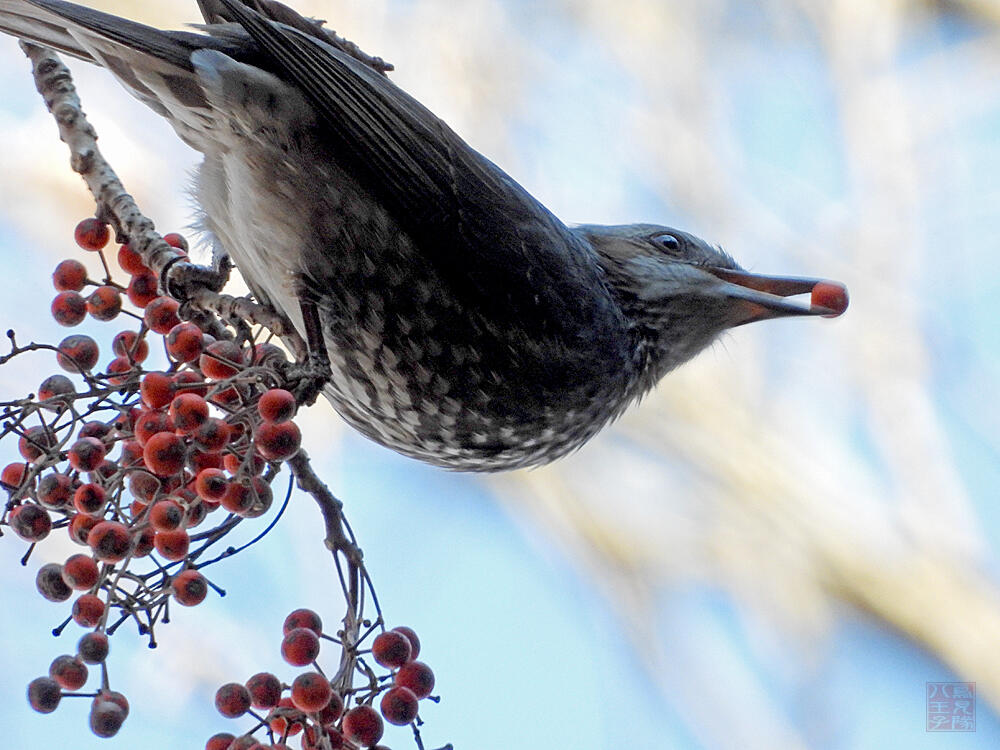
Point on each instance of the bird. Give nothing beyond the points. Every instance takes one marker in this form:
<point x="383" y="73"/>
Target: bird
<point x="464" y="324"/>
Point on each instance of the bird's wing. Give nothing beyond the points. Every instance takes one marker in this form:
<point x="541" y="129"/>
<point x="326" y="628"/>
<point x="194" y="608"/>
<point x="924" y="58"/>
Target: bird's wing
<point x="68" y="27"/>
<point x="26" y="21"/>
<point x="473" y="222"/>
<point x="454" y="202"/>
<point x="154" y="65"/>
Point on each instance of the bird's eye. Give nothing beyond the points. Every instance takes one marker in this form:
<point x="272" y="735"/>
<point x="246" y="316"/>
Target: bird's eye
<point x="667" y="242"/>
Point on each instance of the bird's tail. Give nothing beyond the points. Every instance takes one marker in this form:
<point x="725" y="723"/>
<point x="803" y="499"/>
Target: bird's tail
<point x="154" y="65"/>
<point x="35" y="23"/>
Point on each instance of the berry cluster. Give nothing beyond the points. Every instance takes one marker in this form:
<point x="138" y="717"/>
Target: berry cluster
<point x="131" y="462"/>
<point x="315" y="706"/>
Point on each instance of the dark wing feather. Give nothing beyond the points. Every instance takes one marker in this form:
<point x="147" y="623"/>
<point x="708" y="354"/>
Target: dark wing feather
<point x="470" y="218"/>
<point x="482" y="231"/>
<point x="24" y="21"/>
<point x="172" y="47"/>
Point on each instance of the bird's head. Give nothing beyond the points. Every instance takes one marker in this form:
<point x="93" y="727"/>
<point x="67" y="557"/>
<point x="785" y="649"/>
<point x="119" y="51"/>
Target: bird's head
<point x="679" y="292"/>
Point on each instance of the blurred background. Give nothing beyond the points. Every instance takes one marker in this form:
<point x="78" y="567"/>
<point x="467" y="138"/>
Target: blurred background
<point x="783" y="544"/>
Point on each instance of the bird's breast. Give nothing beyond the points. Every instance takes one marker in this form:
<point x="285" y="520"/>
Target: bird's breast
<point x="421" y="361"/>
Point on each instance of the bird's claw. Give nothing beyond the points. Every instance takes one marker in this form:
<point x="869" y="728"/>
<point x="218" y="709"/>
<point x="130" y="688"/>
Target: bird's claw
<point x="182" y="279"/>
<point x="307" y="379"/>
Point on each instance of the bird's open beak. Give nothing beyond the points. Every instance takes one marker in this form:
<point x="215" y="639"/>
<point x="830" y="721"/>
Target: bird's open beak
<point x="757" y="297"/>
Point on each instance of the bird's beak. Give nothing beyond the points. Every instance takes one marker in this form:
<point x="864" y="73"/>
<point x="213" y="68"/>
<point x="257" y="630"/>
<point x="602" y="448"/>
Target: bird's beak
<point x="757" y="297"/>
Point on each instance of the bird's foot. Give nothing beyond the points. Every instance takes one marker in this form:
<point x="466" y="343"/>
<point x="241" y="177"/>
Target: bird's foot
<point x="310" y="374"/>
<point x="306" y="378"/>
<point x="183" y="280"/>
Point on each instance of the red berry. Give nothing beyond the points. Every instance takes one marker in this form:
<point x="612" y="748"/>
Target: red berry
<point x="173" y="545"/>
<point x="220" y="741"/>
<point x="104" y="303"/>
<point x="232" y="700"/>
<point x="80" y="572"/>
<point x="285" y="720"/>
<point x="213" y="434"/>
<point x="277" y="441"/>
<point x="311" y="692"/>
<point x="190" y="587"/>
<point x="13" y="475"/>
<point x="55" y="491"/>
<point x="114" y="697"/>
<point x="69" y="672"/>
<point x="90" y="499"/>
<point x="362" y="726"/>
<point x="105" y="472"/>
<point x="232" y="397"/>
<point x="261" y="498"/>
<point x="189" y="381"/>
<point x="411" y="636"/>
<point x="128" y="344"/>
<point x="239" y="498"/>
<point x="246" y="464"/>
<point x="80" y="526"/>
<point x="200" y="459"/>
<point x="131" y="453"/>
<point x="300" y="647"/>
<point x="267" y="353"/>
<point x="142" y="534"/>
<point x="196" y="512"/>
<point x="30" y="522"/>
<point x="184" y="342"/>
<point x="166" y="515"/>
<point x="50" y="584"/>
<point x="189" y="412"/>
<point x="143" y="486"/>
<point x="44" y="694"/>
<point x="88" y="610"/>
<point x="164" y="454"/>
<point x="328" y="716"/>
<point x="211" y="484"/>
<point x="93" y="647"/>
<point x="77" y="353"/>
<point x="69" y="276"/>
<point x="91" y="234"/>
<point x="161" y="314"/>
<point x="221" y="359"/>
<point x="312" y="740"/>
<point x="56" y="386"/>
<point x="399" y="706"/>
<point x="150" y="423"/>
<point x="832" y="296"/>
<point x="69" y="308"/>
<point x="120" y="370"/>
<point x="36" y="442"/>
<point x="391" y="649"/>
<point x="303" y="618"/>
<point x="142" y="543"/>
<point x="276" y="405"/>
<point x="130" y="261"/>
<point x="176" y="240"/>
<point x="264" y="689"/>
<point x="95" y="429"/>
<point x="86" y="454"/>
<point x="416" y="676"/>
<point x="106" y="717"/>
<point x="142" y="289"/>
<point x="156" y="389"/>
<point x="110" y="541"/>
